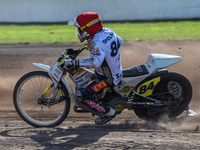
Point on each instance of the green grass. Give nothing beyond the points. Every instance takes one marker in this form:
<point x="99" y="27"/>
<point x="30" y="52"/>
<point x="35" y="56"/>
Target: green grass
<point x="156" y="31"/>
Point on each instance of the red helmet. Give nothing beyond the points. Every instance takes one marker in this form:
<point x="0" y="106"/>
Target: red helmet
<point x="88" y="24"/>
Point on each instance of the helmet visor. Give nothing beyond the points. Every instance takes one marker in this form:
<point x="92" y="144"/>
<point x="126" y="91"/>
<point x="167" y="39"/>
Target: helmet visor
<point x="73" y="22"/>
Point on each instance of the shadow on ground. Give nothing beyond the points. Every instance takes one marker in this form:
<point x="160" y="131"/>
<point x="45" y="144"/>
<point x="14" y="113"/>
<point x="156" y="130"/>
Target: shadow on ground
<point x="81" y="136"/>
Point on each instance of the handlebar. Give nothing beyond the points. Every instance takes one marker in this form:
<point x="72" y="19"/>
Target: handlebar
<point x="72" y="54"/>
<point x="75" y="53"/>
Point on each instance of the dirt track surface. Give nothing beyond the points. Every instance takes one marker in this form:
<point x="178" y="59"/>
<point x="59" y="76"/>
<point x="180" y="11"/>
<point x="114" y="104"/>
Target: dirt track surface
<point x="78" y="131"/>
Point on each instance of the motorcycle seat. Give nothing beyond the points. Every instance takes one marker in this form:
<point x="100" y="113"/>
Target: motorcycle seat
<point x="135" y="71"/>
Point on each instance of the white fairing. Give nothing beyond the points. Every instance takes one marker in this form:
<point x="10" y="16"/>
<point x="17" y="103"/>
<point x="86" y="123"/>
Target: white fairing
<point x="154" y="62"/>
<point x="45" y="67"/>
<point x="127" y="84"/>
<point x="159" y="61"/>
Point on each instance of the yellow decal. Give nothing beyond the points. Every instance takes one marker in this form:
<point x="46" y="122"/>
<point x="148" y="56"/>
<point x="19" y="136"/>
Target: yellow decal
<point x="47" y="90"/>
<point x="60" y="92"/>
<point x="147" y="88"/>
<point x="79" y="71"/>
<point x="106" y="89"/>
<point x="61" y="58"/>
<point x="119" y="107"/>
<point x="126" y="89"/>
<point x="97" y="87"/>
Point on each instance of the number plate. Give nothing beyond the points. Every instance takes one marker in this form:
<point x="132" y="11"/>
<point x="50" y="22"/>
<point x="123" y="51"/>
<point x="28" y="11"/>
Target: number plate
<point x="147" y="88"/>
<point x="55" y="72"/>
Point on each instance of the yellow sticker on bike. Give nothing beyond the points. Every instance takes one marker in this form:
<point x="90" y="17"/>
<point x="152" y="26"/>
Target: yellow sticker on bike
<point x="60" y="60"/>
<point x="147" y="88"/>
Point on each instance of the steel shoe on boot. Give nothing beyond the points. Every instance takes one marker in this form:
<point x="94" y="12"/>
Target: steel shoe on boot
<point x="106" y="118"/>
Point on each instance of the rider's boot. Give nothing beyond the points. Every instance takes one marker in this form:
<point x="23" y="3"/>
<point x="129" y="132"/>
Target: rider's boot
<point x="105" y="118"/>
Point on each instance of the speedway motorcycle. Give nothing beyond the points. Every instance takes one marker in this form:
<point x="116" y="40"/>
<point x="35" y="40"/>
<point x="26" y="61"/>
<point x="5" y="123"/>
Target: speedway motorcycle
<point x="43" y="98"/>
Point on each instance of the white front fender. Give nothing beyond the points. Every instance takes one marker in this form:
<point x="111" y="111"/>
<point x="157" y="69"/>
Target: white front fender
<point x="45" y="67"/>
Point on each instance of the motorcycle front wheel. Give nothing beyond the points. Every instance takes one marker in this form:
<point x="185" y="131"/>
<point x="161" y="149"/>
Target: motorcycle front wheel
<point x="35" y="106"/>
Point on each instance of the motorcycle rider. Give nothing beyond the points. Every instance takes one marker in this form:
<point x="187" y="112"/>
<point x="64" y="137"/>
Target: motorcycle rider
<point x="104" y="46"/>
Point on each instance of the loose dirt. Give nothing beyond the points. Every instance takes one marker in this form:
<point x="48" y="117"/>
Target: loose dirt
<point x="78" y="131"/>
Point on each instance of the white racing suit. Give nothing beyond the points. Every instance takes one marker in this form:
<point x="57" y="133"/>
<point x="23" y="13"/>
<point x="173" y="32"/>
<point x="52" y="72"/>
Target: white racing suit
<point x="105" y="58"/>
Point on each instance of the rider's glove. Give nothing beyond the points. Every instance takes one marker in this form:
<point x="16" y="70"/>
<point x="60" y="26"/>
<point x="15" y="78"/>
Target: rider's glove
<point x="70" y="63"/>
<point x="71" y="51"/>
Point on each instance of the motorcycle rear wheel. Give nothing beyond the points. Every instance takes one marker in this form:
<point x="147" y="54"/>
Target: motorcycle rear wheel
<point x="175" y="84"/>
<point x="32" y="104"/>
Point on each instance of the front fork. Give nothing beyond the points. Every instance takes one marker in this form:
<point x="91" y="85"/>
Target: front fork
<point x="53" y="93"/>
